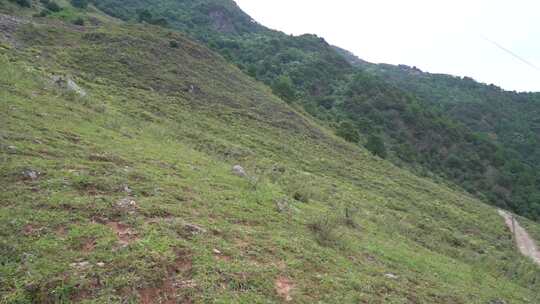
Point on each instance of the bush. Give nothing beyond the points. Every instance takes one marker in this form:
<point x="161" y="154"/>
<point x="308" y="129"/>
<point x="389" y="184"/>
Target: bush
<point x="23" y="3"/>
<point x="283" y="87"/>
<point x="348" y="217"/>
<point x="375" y="145"/>
<point x="80" y="3"/>
<point x="325" y="231"/>
<point x="347" y="131"/>
<point x="145" y="16"/>
<point x="43" y="13"/>
<point x="301" y="196"/>
<point x="53" y="7"/>
<point x="174" y="44"/>
<point x="79" y="21"/>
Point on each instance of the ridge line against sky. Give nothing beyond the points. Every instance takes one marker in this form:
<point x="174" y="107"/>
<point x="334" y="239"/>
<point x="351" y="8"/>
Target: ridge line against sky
<point x="436" y="37"/>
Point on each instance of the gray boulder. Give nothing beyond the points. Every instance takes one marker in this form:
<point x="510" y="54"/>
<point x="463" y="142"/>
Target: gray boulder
<point x="30" y="174"/>
<point x="194" y="229"/>
<point x="239" y="171"/>
<point x="68" y="84"/>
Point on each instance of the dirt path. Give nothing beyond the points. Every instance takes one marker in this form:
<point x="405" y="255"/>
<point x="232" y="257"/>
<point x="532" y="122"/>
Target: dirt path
<point x="525" y="243"/>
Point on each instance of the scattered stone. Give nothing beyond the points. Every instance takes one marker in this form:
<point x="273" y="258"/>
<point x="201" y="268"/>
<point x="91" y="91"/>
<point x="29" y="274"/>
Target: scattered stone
<point x="127" y="190"/>
<point x="12" y="149"/>
<point x="67" y="83"/>
<point x="282" y="205"/>
<point x="100" y="264"/>
<point x="185" y="284"/>
<point x="193" y="89"/>
<point x="194" y="229"/>
<point x="497" y="301"/>
<point x="30" y="174"/>
<point x="239" y="171"/>
<point x="27" y="257"/>
<point x="127" y="204"/>
<point x="80" y="265"/>
<point x="391" y="276"/>
<point x="216" y="251"/>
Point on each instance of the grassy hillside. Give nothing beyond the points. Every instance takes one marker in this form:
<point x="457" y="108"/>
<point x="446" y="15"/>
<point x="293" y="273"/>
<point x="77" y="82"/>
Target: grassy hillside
<point x="400" y="120"/>
<point x="127" y="194"/>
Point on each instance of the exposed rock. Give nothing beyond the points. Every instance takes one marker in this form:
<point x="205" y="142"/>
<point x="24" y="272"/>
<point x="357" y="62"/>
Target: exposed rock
<point x="80" y="265"/>
<point x="8" y="27"/>
<point x="239" y="171"/>
<point x="185" y="284"/>
<point x="193" y="89"/>
<point x="127" y="204"/>
<point x="282" y="205"/>
<point x="284" y="287"/>
<point x="194" y="229"/>
<point x="127" y="190"/>
<point x="391" y="276"/>
<point x="30" y="174"/>
<point x="12" y="149"/>
<point x="497" y="301"/>
<point x="67" y="83"/>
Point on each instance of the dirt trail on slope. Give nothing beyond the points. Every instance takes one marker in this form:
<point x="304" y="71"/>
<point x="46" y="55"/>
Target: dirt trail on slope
<point x="525" y="243"/>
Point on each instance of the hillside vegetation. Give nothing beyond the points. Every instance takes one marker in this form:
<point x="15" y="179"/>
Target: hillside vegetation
<point x="126" y="194"/>
<point x="477" y="136"/>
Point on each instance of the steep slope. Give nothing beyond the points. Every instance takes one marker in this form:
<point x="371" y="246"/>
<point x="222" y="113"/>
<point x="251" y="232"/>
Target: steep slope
<point x="126" y="194"/>
<point x="399" y="120"/>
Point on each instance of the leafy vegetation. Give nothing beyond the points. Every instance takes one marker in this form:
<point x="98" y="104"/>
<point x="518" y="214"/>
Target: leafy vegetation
<point x="80" y="3"/>
<point x="432" y="126"/>
<point x="505" y="123"/>
<point x="126" y="194"/>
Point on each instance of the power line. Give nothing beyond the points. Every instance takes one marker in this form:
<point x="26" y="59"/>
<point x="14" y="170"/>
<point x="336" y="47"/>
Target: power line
<point x="512" y="54"/>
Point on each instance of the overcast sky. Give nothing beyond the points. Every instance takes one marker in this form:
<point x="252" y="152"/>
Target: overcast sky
<point x="458" y="37"/>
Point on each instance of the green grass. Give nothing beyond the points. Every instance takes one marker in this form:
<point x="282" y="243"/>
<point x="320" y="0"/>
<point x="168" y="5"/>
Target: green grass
<point x="142" y="125"/>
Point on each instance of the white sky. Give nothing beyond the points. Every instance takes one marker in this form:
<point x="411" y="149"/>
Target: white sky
<point x="449" y="36"/>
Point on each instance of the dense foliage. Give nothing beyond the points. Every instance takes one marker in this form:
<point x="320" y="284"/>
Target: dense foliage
<point x="507" y="119"/>
<point x="416" y="120"/>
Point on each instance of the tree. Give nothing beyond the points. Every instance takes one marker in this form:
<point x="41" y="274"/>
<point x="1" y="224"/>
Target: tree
<point x="53" y="7"/>
<point x="347" y="131"/>
<point x="375" y="145"/>
<point x="79" y="21"/>
<point x="145" y="16"/>
<point x="23" y="3"/>
<point x="80" y="3"/>
<point x="283" y="87"/>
